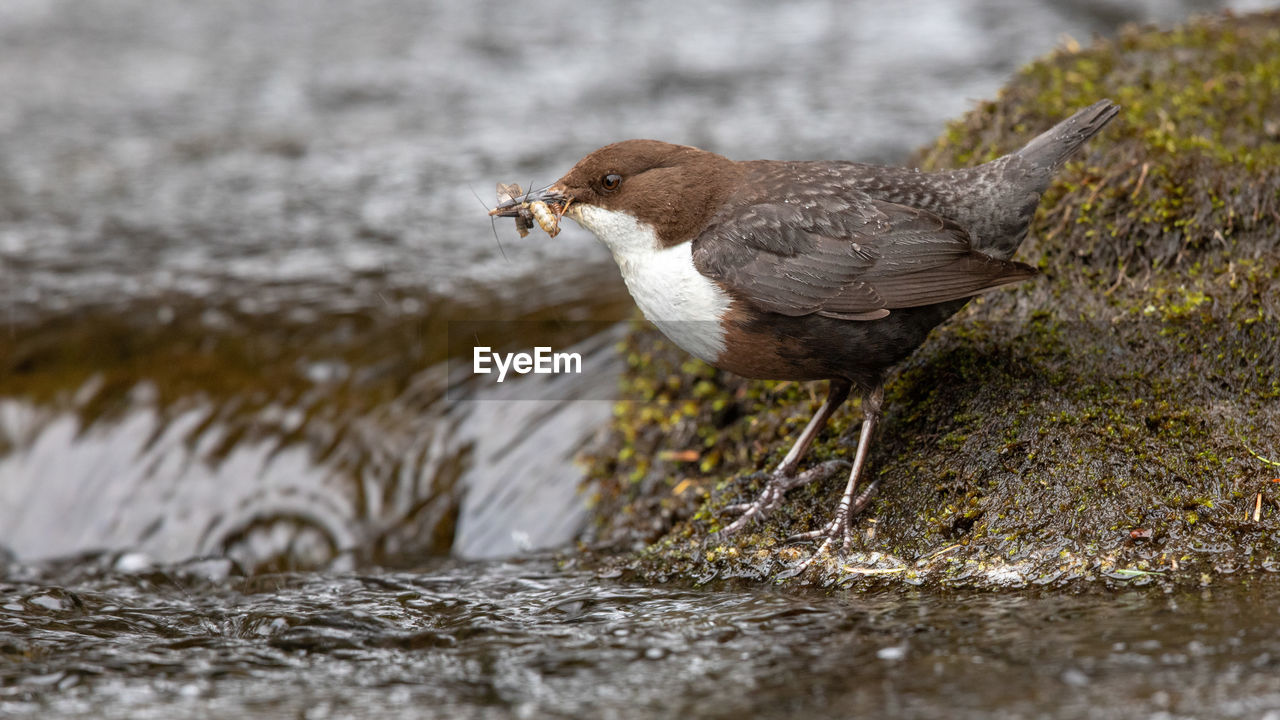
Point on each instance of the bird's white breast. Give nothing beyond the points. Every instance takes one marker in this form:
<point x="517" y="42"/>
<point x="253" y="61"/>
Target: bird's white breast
<point x="685" y="304"/>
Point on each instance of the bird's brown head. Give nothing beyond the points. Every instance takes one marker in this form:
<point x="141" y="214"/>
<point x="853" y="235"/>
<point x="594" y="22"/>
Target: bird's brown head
<point x="673" y="189"/>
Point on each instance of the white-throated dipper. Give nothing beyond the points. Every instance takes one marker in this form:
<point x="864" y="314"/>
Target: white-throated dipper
<point x="808" y="270"/>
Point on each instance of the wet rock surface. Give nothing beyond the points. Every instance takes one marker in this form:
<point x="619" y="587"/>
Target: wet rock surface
<point x="1118" y="417"/>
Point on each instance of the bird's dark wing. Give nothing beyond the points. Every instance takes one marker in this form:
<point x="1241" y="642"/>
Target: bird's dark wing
<point x="841" y="253"/>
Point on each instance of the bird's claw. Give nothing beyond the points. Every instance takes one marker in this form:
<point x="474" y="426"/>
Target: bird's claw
<point x="838" y="529"/>
<point x="771" y="497"/>
<point x="766" y="502"/>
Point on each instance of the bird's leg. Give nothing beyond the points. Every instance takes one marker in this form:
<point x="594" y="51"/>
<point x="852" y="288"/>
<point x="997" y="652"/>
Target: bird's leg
<point x="850" y="504"/>
<point x="784" y="477"/>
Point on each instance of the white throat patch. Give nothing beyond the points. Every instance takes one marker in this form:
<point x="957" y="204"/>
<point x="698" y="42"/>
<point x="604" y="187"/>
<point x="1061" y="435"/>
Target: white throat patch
<point x="684" y="304"/>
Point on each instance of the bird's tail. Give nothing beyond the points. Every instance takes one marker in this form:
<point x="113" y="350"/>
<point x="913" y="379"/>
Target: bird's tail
<point x="1048" y="151"/>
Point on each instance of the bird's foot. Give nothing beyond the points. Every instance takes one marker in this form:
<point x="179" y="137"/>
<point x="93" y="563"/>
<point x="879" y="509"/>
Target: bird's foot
<point x="771" y="497"/>
<point x="838" y="530"/>
<point x="766" y="502"/>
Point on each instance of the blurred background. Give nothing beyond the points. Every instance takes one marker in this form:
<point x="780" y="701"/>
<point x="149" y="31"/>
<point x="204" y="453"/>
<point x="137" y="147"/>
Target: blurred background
<point x="233" y="235"/>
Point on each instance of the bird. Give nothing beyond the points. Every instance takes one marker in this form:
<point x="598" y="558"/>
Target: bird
<point x="808" y="270"/>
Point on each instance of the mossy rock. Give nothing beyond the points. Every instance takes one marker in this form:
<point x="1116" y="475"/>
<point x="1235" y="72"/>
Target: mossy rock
<point x="1117" y="418"/>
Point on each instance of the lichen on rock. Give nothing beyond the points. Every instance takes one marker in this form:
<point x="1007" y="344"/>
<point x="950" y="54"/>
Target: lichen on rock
<point x="1116" y="418"/>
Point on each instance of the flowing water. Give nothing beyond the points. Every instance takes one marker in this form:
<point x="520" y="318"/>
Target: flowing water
<point x="533" y="640"/>
<point x="234" y="240"/>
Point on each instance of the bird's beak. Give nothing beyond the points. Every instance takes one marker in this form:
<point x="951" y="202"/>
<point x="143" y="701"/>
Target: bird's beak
<point x="552" y="195"/>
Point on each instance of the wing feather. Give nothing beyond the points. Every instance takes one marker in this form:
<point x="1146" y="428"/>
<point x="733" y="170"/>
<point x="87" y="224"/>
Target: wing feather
<point x="831" y="250"/>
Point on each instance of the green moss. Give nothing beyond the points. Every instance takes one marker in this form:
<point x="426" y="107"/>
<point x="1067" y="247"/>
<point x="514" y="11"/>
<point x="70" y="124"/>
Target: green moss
<point x="1111" y="420"/>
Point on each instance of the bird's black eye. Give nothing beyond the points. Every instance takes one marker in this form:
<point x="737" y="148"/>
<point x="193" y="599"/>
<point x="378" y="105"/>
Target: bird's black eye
<point x="611" y="182"/>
